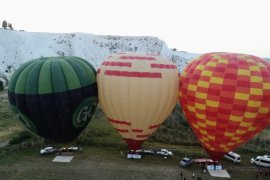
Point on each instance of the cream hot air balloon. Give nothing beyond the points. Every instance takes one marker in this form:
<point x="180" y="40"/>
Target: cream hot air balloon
<point x="137" y="92"/>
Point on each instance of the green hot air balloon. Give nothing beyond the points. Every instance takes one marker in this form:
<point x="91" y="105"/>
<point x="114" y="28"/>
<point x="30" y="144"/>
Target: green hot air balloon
<point x="55" y="97"/>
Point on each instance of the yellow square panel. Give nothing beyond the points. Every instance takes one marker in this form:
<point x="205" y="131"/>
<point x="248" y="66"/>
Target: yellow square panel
<point x="203" y="132"/>
<point x="200" y="67"/>
<point x="252" y="128"/>
<point x="240" y="132"/>
<point x="200" y="106"/>
<point x="224" y="61"/>
<point x="201" y="95"/>
<point x="222" y="146"/>
<point x="256" y="91"/>
<point x="235" y="138"/>
<point x="200" y="116"/>
<point x="229" y="134"/>
<point x="243" y="72"/>
<point x="205" y="139"/>
<point x="236" y="118"/>
<point x="207" y="73"/>
<point x="212" y="64"/>
<point x="254" y="68"/>
<point x="191" y="108"/>
<point x="196" y="126"/>
<point x="192" y="87"/>
<point x="241" y="96"/>
<point x="266" y="86"/>
<point x="263" y="110"/>
<point x="254" y="103"/>
<point x="211" y="123"/>
<point x="261" y="64"/>
<point x="256" y="79"/>
<point x="216" y="80"/>
<point x="245" y="124"/>
<point x="203" y="84"/>
<point x="211" y="138"/>
<point x="250" y="115"/>
<point x="212" y="103"/>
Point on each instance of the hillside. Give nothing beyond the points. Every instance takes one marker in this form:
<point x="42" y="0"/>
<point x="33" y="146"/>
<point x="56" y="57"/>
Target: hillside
<point x="17" y="47"/>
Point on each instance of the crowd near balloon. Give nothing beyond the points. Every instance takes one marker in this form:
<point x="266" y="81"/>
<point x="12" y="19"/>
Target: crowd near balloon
<point x="225" y="97"/>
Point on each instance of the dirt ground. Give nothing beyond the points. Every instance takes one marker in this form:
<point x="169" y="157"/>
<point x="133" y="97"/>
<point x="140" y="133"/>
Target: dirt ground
<point x="96" y="163"/>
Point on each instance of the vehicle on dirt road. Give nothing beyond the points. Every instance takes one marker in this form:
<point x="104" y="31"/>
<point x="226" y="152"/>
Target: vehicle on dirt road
<point x="164" y="152"/>
<point x="232" y="156"/>
<point x="47" y="150"/>
<point x="145" y="151"/>
<point x="73" y="149"/>
<point x="261" y="161"/>
<point x="185" y="162"/>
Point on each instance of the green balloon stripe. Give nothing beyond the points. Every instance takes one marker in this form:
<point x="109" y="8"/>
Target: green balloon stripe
<point x="59" y="83"/>
<point x="15" y="76"/>
<point x="72" y="79"/>
<point x="52" y="74"/>
<point x="88" y="69"/>
<point x="44" y="82"/>
<point x="80" y="71"/>
<point x="21" y="81"/>
<point x="31" y="83"/>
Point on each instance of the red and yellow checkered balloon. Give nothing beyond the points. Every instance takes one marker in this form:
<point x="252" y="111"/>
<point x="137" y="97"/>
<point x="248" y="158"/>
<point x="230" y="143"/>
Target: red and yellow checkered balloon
<point x="226" y="99"/>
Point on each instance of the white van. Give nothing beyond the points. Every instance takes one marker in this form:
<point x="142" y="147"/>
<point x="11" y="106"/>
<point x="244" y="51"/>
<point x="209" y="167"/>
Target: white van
<point x="261" y="161"/>
<point x="232" y="156"/>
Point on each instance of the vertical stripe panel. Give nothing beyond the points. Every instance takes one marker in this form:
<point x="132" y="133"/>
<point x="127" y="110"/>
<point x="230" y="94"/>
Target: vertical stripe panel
<point x="80" y="71"/>
<point x="58" y="79"/>
<point x="20" y="85"/>
<point x="71" y="77"/>
<point x="44" y="82"/>
<point x="15" y="76"/>
<point x="32" y="79"/>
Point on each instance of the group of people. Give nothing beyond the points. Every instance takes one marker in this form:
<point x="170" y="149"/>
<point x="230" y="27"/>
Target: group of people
<point x="182" y="177"/>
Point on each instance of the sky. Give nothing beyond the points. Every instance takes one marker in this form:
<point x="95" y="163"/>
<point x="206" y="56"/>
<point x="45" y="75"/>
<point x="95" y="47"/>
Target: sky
<point x="196" y="26"/>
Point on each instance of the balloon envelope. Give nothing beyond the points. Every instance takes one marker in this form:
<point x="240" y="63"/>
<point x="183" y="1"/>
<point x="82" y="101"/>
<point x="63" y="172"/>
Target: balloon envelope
<point x="226" y="99"/>
<point x="54" y="97"/>
<point x="137" y="92"/>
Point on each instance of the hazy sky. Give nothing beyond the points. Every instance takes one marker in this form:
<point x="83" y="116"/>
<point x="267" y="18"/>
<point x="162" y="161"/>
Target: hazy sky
<point x="197" y="26"/>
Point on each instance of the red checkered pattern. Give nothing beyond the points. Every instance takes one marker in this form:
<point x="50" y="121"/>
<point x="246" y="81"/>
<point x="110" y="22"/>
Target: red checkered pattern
<point x="226" y="99"/>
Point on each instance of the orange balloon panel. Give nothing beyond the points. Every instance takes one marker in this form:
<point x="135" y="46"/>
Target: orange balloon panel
<point x="226" y="99"/>
<point x="137" y="92"/>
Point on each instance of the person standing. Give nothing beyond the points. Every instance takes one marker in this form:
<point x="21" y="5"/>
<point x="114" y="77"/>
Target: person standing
<point x="193" y="175"/>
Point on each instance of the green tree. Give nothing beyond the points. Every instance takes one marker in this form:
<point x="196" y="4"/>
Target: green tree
<point x="10" y="26"/>
<point x="4" y="24"/>
<point x="1" y="85"/>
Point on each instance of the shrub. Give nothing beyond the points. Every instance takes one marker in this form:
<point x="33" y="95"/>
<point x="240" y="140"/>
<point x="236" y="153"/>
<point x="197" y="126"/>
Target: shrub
<point x="22" y="136"/>
<point x="4" y="24"/>
<point x="1" y="86"/>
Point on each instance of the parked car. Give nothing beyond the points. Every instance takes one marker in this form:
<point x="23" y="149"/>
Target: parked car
<point x="72" y="149"/>
<point x="261" y="161"/>
<point x="232" y="156"/>
<point x="164" y="152"/>
<point x="134" y="154"/>
<point x="186" y="161"/>
<point x="47" y="150"/>
<point x="145" y="151"/>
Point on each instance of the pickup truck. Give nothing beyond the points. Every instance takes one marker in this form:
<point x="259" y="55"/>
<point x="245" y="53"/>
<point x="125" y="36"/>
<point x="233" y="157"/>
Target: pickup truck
<point x="164" y="152"/>
<point x="47" y="150"/>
